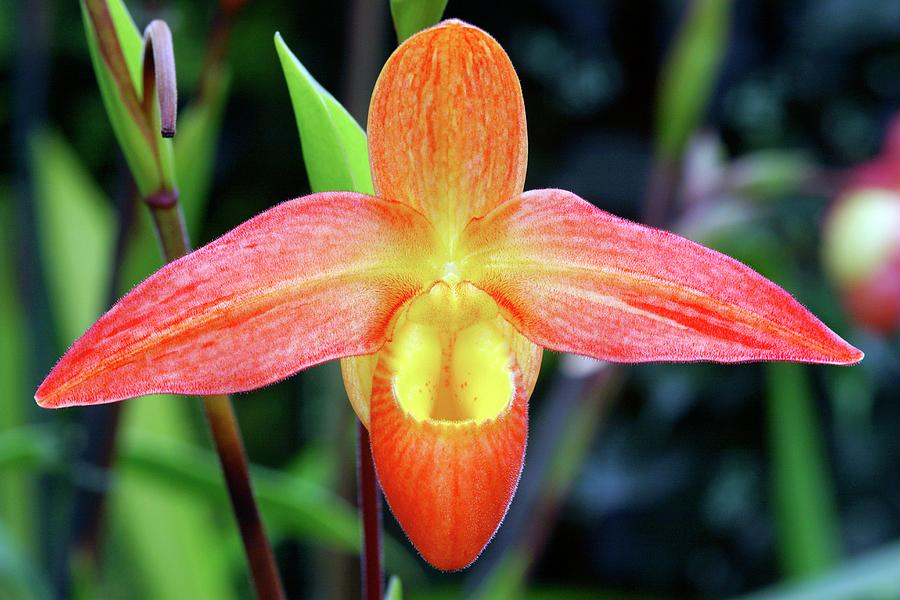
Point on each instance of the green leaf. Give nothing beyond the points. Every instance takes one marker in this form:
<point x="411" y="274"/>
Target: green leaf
<point x="689" y="74"/>
<point x="130" y="40"/>
<point x="872" y="576"/>
<point x="77" y="234"/>
<point x="195" y="148"/>
<point x="394" y="589"/>
<point x="412" y="16"/>
<point x="288" y="503"/>
<point x="116" y="48"/>
<point x="33" y="447"/>
<point x="808" y="531"/>
<point x="18" y="577"/>
<point x="334" y="145"/>
<point x="16" y="491"/>
<point x="169" y="533"/>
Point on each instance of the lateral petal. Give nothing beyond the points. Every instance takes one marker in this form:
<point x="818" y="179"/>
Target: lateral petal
<point x="309" y="280"/>
<point x="573" y="278"/>
<point x="448" y="483"/>
<point x="447" y="130"/>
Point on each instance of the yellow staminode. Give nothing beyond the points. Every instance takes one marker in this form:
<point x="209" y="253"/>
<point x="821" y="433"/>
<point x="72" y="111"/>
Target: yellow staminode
<point x="450" y="357"/>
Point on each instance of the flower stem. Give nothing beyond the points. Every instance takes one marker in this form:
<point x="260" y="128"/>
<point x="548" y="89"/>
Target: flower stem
<point x="168" y="220"/>
<point x="173" y="238"/>
<point x="369" y="498"/>
<point x="227" y="436"/>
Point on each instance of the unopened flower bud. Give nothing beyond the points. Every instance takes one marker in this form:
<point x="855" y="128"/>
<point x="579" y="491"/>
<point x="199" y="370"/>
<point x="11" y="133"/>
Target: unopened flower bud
<point x="862" y="255"/>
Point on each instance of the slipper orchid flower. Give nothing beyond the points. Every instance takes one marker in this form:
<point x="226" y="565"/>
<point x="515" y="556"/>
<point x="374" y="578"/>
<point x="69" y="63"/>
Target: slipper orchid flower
<point x="439" y="294"/>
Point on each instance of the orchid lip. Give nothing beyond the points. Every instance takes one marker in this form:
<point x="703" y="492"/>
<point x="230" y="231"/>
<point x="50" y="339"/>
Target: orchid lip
<point x="449" y="357"/>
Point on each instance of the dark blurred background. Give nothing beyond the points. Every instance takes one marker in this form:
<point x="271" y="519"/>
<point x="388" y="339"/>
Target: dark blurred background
<point x="675" y="477"/>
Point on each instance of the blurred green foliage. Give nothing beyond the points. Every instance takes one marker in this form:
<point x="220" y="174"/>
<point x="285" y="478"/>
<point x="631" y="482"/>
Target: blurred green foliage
<point x="690" y="72"/>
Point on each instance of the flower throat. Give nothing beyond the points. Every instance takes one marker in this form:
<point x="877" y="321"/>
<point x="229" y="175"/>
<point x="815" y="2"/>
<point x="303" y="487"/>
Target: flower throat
<point x="449" y="357"/>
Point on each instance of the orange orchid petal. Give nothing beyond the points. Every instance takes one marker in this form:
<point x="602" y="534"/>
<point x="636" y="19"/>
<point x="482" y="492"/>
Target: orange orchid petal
<point x="309" y="280"/>
<point x="576" y="279"/>
<point x="448" y="483"/>
<point x="446" y="126"/>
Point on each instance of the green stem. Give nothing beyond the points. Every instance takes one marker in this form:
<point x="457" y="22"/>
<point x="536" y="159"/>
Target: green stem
<point x="168" y="221"/>
<point x="173" y="238"/>
<point x="807" y="522"/>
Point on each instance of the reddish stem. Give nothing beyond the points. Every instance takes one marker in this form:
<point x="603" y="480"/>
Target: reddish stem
<point x="233" y="459"/>
<point x="369" y="498"/>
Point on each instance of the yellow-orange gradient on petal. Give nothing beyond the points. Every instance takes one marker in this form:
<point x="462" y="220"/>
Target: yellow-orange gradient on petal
<point x="447" y="128"/>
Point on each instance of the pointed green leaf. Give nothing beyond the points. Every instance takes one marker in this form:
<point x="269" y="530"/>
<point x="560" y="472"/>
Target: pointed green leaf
<point x="690" y="72"/>
<point x="334" y="145"/>
<point x="412" y="16"/>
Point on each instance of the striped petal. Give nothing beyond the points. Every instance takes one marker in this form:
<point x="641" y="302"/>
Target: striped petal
<point x="446" y="126"/>
<point x="448" y="482"/>
<point x="573" y="278"/>
<point x="312" y="279"/>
